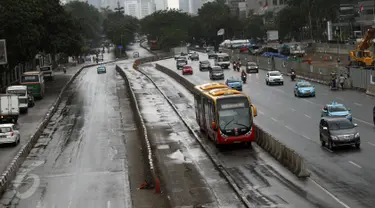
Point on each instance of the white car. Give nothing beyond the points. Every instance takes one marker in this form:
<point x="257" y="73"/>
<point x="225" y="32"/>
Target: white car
<point x="274" y="77"/>
<point x="9" y="134"/>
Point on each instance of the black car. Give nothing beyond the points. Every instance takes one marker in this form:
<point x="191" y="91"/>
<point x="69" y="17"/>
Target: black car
<point x="216" y="72"/>
<point x="252" y="67"/>
<point x="204" y="65"/>
<point x="180" y="63"/>
<point x="212" y="55"/>
<point x="338" y="131"/>
<point x="194" y="56"/>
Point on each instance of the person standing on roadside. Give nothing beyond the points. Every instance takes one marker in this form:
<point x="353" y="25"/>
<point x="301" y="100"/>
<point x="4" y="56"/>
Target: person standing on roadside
<point x="342" y="81"/>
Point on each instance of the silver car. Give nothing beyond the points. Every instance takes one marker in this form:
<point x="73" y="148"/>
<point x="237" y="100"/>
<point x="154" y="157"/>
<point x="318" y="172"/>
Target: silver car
<point x="9" y="134"/>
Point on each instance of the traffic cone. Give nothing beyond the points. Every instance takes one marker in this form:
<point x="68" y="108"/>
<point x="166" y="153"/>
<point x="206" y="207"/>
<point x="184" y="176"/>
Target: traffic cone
<point x="157" y="186"/>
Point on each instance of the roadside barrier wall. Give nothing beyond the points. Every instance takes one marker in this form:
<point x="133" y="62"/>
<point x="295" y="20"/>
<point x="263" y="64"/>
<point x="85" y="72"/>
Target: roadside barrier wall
<point x="286" y="156"/>
<point x="9" y="174"/>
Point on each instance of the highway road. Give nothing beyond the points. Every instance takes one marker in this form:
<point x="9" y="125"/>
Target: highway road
<point x="346" y="173"/>
<point x="30" y="121"/>
<point x="249" y="167"/>
<point x="89" y="155"/>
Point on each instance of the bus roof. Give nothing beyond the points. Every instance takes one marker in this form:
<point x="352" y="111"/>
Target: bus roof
<point x="211" y="86"/>
<point x="223" y="92"/>
<point x="32" y="73"/>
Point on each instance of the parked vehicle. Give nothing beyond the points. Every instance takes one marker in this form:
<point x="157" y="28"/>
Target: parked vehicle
<point x="9" y="108"/>
<point x="22" y="93"/>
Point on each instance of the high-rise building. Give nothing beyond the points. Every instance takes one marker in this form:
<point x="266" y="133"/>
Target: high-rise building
<point x="132" y="8"/>
<point x="147" y="7"/>
<point x="184" y="6"/>
<point x="161" y="5"/>
<point x="190" y="6"/>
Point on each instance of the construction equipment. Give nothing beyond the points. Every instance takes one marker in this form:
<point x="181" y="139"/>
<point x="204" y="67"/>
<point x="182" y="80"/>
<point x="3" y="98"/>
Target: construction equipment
<point x="362" y="54"/>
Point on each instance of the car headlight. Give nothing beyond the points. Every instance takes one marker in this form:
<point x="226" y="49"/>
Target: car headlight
<point x="334" y="138"/>
<point x="356" y="135"/>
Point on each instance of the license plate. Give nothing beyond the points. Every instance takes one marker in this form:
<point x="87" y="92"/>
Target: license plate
<point x="236" y="142"/>
<point x="307" y="92"/>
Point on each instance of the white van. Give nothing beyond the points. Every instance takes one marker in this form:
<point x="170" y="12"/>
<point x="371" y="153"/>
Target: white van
<point x="21" y="91"/>
<point x="222" y="60"/>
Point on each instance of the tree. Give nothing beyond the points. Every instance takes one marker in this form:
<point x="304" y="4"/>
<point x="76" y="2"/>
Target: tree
<point x="254" y="27"/>
<point x="89" y="17"/>
<point x="290" y="23"/>
<point x="23" y="36"/>
<point x="169" y="27"/>
<point x="120" y="28"/>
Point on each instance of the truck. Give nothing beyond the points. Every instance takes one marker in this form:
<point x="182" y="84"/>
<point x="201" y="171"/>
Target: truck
<point x="9" y="108"/>
<point x="47" y="72"/>
<point x="177" y="51"/>
<point x="23" y="96"/>
<point x="272" y="36"/>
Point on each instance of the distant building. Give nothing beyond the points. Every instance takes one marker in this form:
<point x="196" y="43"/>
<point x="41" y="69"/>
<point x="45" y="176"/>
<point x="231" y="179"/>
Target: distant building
<point x="259" y="7"/>
<point x="161" y="5"/>
<point x="190" y="6"/>
<point x="147" y="7"/>
<point x="132" y="8"/>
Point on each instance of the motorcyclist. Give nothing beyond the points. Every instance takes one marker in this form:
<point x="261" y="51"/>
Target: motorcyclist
<point x="293" y="74"/>
<point x="243" y="75"/>
<point x="342" y="81"/>
<point x="234" y="65"/>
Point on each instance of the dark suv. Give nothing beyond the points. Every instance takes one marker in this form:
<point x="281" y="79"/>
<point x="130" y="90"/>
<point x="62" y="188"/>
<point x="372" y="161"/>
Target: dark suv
<point x="338" y="131"/>
<point x="216" y="72"/>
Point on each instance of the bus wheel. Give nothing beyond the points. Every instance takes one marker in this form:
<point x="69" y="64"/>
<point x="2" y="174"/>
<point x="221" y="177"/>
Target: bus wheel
<point x="248" y="144"/>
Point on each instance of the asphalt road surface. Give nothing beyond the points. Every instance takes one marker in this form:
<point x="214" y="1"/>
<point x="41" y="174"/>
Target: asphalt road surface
<point x="347" y="173"/>
<point x="263" y="180"/>
<point x="82" y="159"/>
<point x="30" y="121"/>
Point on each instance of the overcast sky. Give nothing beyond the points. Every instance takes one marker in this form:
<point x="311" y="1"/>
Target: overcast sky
<point x="173" y="4"/>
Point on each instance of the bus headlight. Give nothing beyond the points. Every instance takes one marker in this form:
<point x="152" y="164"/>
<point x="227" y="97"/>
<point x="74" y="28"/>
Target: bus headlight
<point x="223" y="135"/>
<point x="249" y="132"/>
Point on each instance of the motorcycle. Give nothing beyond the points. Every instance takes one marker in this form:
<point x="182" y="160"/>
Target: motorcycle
<point x="234" y="67"/>
<point x="244" y="78"/>
<point x="333" y="85"/>
<point x="64" y="70"/>
<point x="293" y="76"/>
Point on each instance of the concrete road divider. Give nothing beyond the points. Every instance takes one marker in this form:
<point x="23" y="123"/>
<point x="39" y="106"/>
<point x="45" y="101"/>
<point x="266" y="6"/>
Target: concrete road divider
<point x="9" y="174"/>
<point x="286" y="156"/>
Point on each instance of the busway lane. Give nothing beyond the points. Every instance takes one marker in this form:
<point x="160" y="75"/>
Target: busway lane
<point x="248" y="168"/>
<point x="296" y="121"/>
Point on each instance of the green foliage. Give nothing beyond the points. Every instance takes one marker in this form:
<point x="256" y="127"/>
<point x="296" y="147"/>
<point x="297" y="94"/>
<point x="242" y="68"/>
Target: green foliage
<point x="120" y="28"/>
<point x="169" y="27"/>
<point x="89" y="17"/>
<point x="254" y="27"/>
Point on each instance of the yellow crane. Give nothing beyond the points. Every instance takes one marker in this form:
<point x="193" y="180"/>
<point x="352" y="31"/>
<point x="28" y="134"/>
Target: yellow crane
<point x="362" y="54"/>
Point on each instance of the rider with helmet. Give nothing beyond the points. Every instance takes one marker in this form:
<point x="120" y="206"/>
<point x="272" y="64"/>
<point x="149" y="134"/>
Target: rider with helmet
<point x="333" y="79"/>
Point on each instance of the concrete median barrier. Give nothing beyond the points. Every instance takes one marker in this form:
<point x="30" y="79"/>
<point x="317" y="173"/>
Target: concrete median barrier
<point x="9" y="174"/>
<point x="151" y="175"/>
<point x="286" y="156"/>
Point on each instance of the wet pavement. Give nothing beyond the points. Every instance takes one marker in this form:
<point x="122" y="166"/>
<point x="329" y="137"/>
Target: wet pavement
<point x="190" y="178"/>
<point x="262" y="179"/>
<point x="30" y="121"/>
<point x="347" y="173"/>
<point x="83" y="157"/>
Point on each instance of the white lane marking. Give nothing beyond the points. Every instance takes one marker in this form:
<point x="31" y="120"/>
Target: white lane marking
<point x="355" y="164"/>
<point x="306" y="137"/>
<point x="371" y="144"/>
<point x="360" y="120"/>
<point x="108" y="204"/>
<point x="260" y="112"/>
<point x="293" y="109"/>
<point x="339" y="98"/>
<point x="307" y="116"/>
<point x="331" y="195"/>
<point x="290" y="128"/>
<point x="273" y="119"/>
<point x="359" y="104"/>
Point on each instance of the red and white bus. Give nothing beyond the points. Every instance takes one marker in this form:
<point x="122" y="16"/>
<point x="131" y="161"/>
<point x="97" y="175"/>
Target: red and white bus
<point x="224" y="114"/>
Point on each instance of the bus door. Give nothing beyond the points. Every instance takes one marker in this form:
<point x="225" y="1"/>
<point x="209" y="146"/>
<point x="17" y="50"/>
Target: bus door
<point x="211" y="118"/>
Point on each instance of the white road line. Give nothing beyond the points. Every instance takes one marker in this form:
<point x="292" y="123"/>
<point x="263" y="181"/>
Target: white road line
<point x="362" y="121"/>
<point x="355" y="164"/>
<point x="331" y="195"/>
<point x="273" y="119"/>
<point x="108" y="204"/>
<point x="307" y="116"/>
<point x="338" y="98"/>
<point x="371" y="144"/>
<point x="359" y="104"/>
<point x="306" y="137"/>
<point x="293" y="110"/>
<point x="290" y="129"/>
<point x="260" y="112"/>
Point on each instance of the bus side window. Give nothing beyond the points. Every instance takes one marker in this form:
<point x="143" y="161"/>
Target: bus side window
<point x="213" y="113"/>
<point x="206" y="112"/>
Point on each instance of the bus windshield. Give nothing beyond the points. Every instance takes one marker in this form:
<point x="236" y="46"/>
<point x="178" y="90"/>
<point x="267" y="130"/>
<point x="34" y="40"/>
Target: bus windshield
<point x="30" y="78"/>
<point x="17" y="92"/>
<point x="234" y="113"/>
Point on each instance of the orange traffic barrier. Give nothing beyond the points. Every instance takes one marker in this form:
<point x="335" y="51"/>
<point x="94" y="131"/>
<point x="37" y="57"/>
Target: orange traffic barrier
<point x="157" y="186"/>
